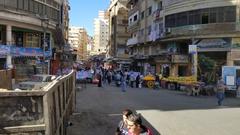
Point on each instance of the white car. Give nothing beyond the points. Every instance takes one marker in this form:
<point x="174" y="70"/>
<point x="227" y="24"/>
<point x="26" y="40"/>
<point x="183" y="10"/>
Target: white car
<point x="36" y="82"/>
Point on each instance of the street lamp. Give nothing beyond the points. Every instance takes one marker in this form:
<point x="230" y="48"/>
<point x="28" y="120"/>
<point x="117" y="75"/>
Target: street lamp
<point x="44" y="25"/>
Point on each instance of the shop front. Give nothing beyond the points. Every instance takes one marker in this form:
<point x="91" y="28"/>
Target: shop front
<point x="26" y="61"/>
<point x="181" y="65"/>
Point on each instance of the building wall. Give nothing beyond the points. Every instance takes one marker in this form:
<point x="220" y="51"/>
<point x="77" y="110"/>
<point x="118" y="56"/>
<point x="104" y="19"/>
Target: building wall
<point x="118" y="33"/>
<point x="176" y="6"/>
<point x="78" y="39"/>
<point x="101" y="32"/>
<point x="42" y="112"/>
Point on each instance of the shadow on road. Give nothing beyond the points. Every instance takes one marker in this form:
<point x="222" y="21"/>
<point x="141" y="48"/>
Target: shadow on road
<point x="99" y="109"/>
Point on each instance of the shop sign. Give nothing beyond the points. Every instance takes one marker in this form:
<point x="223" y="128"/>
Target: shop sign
<point x="180" y="59"/>
<point x="164" y="59"/>
<point x="213" y="43"/>
<point x="22" y="51"/>
<point x="4" y="50"/>
<point x="192" y="49"/>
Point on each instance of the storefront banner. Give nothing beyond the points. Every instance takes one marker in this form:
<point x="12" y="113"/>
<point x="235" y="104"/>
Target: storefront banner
<point x="213" y="43"/>
<point x="180" y="59"/>
<point x="22" y="51"/>
<point x="4" y="50"/>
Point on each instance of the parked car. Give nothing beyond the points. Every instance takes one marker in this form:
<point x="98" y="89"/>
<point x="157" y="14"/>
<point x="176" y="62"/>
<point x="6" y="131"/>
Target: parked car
<point x="36" y="82"/>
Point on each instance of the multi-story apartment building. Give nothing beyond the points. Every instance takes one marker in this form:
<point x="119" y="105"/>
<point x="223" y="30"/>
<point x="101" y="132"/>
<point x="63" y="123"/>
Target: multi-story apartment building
<point x="78" y="41"/>
<point x="73" y="37"/>
<point x="117" y="50"/>
<point x="145" y="25"/>
<point x="211" y="25"/>
<point x="29" y="29"/>
<point x="100" y="32"/>
<point x="83" y="44"/>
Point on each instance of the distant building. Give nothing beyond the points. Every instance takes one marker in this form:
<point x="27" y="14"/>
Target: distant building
<point x="78" y="40"/>
<point x="101" y="33"/>
<point x="117" y="50"/>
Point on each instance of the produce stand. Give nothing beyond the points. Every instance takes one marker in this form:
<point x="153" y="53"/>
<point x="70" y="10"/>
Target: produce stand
<point x="149" y="81"/>
<point x="185" y="83"/>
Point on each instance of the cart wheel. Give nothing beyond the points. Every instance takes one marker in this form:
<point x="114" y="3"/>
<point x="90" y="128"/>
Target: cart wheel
<point x="150" y="84"/>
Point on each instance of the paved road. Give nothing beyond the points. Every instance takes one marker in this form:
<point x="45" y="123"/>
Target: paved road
<point x="166" y="112"/>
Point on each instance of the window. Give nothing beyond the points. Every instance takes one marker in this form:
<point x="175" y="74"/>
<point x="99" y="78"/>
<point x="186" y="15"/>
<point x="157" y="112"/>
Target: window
<point x="182" y="19"/>
<point x="149" y="29"/>
<point x="31" y="8"/>
<point x="213" y="15"/>
<point x="20" y="4"/>
<point x="205" y="18"/>
<point x="159" y="5"/>
<point x="142" y="15"/>
<point x="170" y="20"/>
<point x="135" y="18"/>
<point x="11" y="3"/>
<point x="220" y="17"/>
<point x="0" y="36"/>
<point x="141" y="32"/>
<point x="149" y="11"/>
<point x="230" y="14"/>
<point x="26" y="2"/>
<point x="194" y="17"/>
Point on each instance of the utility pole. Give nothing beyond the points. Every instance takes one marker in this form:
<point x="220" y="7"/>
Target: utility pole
<point x="194" y="54"/>
<point x="44" y="25"/>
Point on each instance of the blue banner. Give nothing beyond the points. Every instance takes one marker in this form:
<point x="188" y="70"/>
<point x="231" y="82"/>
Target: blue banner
<point x="22" y="51"/>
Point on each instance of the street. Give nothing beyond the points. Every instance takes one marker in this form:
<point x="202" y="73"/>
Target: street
<point x="166" y="112"/>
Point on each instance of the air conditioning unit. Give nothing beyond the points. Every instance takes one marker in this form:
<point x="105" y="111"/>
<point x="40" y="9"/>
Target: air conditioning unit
<point x="167" y="30"/>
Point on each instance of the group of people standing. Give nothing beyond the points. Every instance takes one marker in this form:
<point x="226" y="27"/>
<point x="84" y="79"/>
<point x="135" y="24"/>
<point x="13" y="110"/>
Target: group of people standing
<point x="131" y="124"/>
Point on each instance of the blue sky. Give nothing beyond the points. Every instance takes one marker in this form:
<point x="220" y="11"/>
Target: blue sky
<point x="83" y="12"/>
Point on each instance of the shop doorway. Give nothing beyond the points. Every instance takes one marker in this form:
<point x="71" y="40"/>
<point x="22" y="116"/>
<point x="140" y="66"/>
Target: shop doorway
<point x="166" y="71"/>
<point x="182" y="70"/>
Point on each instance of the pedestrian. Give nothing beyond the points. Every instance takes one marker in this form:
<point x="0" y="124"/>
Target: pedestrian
<point x="135" y="126"/>
<point x="99" y="80"/>
<point x="220" y="91"/>
<point x="123" y="81"/>
<point x="137" y="80"/>
<point x="122" y="126"/>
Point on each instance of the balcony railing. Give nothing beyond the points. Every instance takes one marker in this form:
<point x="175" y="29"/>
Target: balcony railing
<point x="134" y="26"/>
<point x="132" y="41"/>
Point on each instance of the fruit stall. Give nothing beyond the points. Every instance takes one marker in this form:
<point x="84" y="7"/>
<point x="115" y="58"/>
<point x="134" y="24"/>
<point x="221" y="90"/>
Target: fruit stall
<point x="188" y="83"/>
<point x="149" y="81"/>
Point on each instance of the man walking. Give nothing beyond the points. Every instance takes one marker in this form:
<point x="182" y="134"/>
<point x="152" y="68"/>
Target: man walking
<point x="220" y="91"/>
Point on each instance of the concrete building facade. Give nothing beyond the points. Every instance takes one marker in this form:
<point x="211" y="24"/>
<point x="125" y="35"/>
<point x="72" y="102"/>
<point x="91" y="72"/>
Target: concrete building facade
<point x="176" y="24"/>
<point x="101" y="32"/>
<point x="145" y="23"/>
<point x="29" y="30"/>
<point x="117" y="50"/>
<point x="78" y="40"/>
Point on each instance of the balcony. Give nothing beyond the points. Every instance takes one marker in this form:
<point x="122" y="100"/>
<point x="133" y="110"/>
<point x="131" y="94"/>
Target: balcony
<point x="157" y="15"/>
<point x="134" y="26"/>
<point x="132" y="41"/>
<point x="203" y="29"/>
<point x="135" y="8"/>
